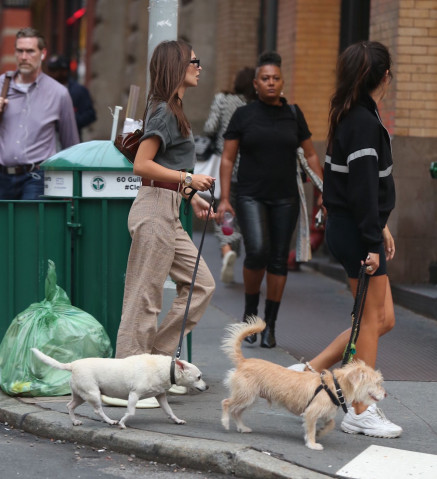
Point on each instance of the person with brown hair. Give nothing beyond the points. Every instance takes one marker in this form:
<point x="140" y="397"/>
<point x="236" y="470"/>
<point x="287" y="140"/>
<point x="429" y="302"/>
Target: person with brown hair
<point x="359" y="195"/>
<point x="266" y="133"/>
<point x="160" y="246"/>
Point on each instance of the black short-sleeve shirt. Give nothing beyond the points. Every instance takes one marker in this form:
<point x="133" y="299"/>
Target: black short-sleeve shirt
<point x="268" y="139"/>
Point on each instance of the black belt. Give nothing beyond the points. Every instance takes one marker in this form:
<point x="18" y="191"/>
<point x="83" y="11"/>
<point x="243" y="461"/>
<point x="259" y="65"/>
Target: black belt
<point x="19" y="169"/>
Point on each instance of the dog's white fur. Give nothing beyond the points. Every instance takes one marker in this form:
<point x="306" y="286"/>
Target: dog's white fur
<point x="291" y="389"/>
<point x="132" y="378"/>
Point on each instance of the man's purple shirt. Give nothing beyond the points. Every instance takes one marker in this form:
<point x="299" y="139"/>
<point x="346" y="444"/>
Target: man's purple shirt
<point x="30" y="122"/>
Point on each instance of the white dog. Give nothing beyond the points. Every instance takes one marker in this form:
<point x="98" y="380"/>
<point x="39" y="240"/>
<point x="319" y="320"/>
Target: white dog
<point x="132" y="378"/>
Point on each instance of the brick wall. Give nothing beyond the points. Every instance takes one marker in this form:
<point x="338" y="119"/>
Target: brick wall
<point x="416" y="106"/>
<point x="409" y="29"/>
<point x="308" y="40"/>
<point x="11" y="20"/>
<point x="237" y="39"/>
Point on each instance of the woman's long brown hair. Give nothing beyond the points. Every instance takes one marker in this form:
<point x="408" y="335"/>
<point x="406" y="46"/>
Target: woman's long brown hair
<point x="168" y="67"/>
<point x="360" y="70"/>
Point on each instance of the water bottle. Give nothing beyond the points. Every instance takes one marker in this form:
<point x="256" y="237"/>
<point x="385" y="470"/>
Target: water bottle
<point x="228" y="224"/>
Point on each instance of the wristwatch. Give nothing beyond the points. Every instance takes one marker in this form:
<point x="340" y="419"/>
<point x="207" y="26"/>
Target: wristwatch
<point x="188" y="179"/>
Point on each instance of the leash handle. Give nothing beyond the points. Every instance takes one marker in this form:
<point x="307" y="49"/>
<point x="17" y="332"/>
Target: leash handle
<point x="357" y="312"/>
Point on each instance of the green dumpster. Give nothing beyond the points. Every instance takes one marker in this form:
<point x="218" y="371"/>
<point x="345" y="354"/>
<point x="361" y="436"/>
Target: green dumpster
<point x="102" y="187"/>
<point x="100" y="183"/>
<point x="32" y="232"/>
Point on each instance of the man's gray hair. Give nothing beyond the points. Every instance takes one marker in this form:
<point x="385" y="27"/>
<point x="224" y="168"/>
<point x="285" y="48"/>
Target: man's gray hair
<point x="29" y="32"/>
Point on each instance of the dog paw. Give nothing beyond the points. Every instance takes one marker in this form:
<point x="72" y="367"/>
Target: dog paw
<point x="120" y="424"/>
<point x="315" y="446"/>
<point x="225" y="424"/>
<point x="76" y="422"/>
<point x="244" y="429"/>
<point x="180" y="421"/>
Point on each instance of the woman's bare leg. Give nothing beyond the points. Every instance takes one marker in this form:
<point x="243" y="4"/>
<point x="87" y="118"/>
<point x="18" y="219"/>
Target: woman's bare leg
<point x="378" y="315"/>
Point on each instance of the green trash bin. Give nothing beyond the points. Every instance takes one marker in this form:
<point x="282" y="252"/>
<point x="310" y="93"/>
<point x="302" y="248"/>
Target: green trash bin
<point x="31" y="233"/>
<point x="100" y="182"/>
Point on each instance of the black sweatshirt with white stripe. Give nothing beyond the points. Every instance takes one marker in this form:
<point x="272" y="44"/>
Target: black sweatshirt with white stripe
<point x="358" y="179"/>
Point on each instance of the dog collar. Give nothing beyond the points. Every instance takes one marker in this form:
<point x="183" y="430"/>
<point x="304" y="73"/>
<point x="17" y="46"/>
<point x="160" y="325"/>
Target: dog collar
<point x="172" y="370"/>
<point x="338" y="399"/>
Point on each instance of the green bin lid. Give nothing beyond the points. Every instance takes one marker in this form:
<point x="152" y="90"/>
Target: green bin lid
<point x="90" y="155"/>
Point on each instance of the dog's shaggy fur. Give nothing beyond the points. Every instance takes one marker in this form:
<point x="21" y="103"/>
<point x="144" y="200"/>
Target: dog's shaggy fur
<point x="291" y="389"/>
<point x="132" y="378"/>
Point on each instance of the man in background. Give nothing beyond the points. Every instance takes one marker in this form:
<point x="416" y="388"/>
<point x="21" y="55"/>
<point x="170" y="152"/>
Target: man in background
<point x="59" y="69"/>
<point x="35" y="109"/>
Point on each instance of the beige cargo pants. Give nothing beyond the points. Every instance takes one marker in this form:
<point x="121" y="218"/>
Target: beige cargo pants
<point x="160" y="248"/>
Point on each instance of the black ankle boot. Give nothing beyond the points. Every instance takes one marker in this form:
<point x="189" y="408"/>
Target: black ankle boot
<point x="268" y="335"/>
<point x="250" y="309"/>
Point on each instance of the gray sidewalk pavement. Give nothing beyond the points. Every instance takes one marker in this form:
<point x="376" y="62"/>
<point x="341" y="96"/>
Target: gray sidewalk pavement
<point x="275" y="448"/>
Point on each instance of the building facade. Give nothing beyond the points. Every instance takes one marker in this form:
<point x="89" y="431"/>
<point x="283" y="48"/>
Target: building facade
<point x="229" y="34"/>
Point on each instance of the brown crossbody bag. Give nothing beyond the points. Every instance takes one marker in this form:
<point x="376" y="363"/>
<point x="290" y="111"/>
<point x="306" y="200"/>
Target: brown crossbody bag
<point x="5" y="88"/>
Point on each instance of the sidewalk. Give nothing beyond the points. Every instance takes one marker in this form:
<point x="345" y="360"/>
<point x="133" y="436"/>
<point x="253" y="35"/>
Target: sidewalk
<point x="275" y="448"/>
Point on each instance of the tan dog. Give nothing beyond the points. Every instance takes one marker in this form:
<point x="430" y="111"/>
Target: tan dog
<point x="132" y="378"/>
<point x="291" y="389"/>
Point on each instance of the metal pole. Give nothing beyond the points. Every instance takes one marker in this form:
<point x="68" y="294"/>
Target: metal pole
<point x="163" y="25"/>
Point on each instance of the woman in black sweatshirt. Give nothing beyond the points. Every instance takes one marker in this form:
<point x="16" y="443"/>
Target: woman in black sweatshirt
<point x="359" y="195"/>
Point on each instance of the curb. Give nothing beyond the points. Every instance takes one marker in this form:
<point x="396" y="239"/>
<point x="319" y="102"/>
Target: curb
<point x="203" y="454"/>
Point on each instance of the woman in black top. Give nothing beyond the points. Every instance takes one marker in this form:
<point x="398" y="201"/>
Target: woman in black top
<point x="359" y="195"/>
<point x="267" y="133"/>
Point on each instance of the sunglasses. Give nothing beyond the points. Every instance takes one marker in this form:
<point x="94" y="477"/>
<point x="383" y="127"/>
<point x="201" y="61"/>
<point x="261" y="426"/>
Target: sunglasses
<point x="195" y="62"/>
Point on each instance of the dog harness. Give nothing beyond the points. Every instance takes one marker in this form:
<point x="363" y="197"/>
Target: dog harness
<point x="338" y="399"/>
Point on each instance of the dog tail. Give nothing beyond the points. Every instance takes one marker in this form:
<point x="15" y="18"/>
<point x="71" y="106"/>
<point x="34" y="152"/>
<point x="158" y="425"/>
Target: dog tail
<point x="231" y="344"/>
<point x="50" y="361"/>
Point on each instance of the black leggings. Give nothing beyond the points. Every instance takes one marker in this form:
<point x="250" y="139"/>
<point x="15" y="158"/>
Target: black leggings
<point x="267" y="227"/>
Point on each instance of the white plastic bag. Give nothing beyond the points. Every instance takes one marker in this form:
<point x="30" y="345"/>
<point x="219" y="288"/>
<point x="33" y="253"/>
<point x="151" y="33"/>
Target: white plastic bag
<point x="210" y="167"/>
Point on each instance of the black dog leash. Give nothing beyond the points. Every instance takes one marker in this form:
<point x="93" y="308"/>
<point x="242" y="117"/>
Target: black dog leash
<point x="357" y="313"/>
<point x="212" y="206"/>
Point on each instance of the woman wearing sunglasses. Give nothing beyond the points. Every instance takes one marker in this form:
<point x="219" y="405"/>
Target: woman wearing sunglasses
<point x="160" y="246"/>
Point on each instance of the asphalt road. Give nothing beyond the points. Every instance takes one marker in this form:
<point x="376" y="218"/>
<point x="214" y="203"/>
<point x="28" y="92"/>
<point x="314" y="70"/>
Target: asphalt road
<point x="26" y="455"/>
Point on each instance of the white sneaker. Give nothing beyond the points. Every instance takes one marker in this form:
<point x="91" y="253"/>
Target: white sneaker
<point x="227" y="272"/>
<point x="299" y="367"/>
<point x="148" y="403"/>
<point x="371" y="422"/>
<point x="178" y="390"/>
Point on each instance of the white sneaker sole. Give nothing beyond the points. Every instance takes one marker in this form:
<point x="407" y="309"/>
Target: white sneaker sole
<point x="355" y="430"/>
<point x="178" y="390"/>
<point x="148" y="403"/>
<point x="227" y="272"/>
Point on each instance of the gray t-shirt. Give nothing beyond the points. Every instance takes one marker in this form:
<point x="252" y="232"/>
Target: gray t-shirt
<point x="176" y="152"/>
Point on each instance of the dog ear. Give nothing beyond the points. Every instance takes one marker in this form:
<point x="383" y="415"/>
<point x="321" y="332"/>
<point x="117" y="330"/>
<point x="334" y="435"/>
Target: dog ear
<point x="180" y="364"/>
<point x="356" y="376"/>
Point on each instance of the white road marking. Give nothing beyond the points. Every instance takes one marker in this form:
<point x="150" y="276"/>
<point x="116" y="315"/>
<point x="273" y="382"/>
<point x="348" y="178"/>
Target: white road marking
<point x="378" y="462"/>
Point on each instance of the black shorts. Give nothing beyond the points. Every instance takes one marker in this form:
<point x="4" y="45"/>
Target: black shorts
<point x="346" y="245"/>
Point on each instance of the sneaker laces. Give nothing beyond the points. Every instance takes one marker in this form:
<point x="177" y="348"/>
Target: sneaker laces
<point x="374" y="409"/>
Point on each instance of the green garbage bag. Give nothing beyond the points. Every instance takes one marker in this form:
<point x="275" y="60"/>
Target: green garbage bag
<point x="57" y="328"/>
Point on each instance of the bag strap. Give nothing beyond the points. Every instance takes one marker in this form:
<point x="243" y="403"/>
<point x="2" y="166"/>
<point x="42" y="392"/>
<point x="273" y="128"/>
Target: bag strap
<point x="305" y="167"/>
<point x="5" y="88"/>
